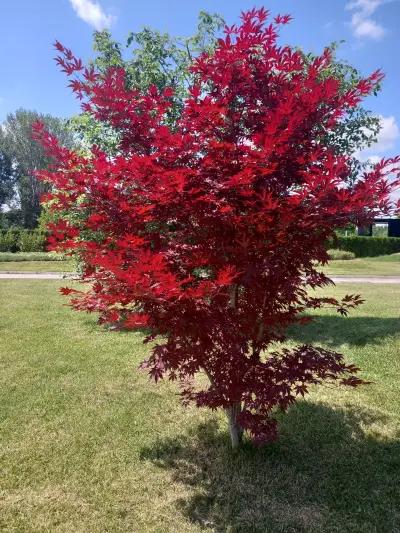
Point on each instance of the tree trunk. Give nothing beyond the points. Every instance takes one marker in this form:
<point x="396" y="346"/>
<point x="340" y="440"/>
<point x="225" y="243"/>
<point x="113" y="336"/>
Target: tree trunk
<point x="232" y="412"/>
<point x="235" y="430"/>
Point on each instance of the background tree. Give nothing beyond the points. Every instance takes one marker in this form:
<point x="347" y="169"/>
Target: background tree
<point x="26" y="157"/>
<point x="7" y="178"/>
<point x="207" y="232"/>
<point x="9" y="216"/>
<point x="148" y="57"/>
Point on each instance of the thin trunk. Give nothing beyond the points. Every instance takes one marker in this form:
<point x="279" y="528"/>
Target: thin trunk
<point x="232" y="412"/>
<point x="235" y="430"/>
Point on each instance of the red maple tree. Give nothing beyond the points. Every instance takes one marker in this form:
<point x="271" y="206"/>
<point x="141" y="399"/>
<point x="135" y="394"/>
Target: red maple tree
<point x="208" y="233"/>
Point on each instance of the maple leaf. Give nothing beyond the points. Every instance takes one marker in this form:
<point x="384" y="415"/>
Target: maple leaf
<point x="136" y="320"/>
<point x="66" y="291"/>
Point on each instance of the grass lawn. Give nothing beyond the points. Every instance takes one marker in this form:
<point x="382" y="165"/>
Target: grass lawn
<point x="384" y="265"/>
<point x="89" y="445"/>
<point x="34" y="262"/>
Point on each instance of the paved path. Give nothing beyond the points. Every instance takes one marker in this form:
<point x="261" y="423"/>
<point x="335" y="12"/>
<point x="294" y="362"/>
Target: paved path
<point x="31" y="275"/>
<point x="366" y="279"/>
<point x="60" y="275"/>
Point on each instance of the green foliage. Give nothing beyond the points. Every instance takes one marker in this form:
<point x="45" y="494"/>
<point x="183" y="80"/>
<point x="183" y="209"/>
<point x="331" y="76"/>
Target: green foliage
<point x="368" y="246"/>
<point x="157" y="58"/>
<point x="335" y="254"/>
<point x="349" y="230"/>
<point x="16" y="240"/>
<point x="8" y="241"/>
<point x="46" y="217"/>
<point x="91" y="131"/>
<point x="11" y="219"/>
<point x="154" y="58"/>
<point x="32" y="241"/>
<point x="7" y="176"/>
<point x="27" y="156"/>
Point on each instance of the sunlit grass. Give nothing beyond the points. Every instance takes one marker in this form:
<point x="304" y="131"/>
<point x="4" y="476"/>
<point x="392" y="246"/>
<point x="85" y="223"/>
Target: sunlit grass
<point x="35" y="262"/>
<point x="385" y="265"/>
<point x="88" y="444"/>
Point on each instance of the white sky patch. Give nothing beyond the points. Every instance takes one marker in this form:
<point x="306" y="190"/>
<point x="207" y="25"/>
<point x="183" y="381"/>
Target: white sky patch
<point x="374" y="159"/>
<point x="389" y="134"/>
<point x="91" y="12"/>
<point x="361" y="22"/>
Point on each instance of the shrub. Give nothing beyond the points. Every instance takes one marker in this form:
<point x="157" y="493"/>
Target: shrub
<point x="8" y="241"/>
<point x="32" y="241"/>
<point x="22" y="240"/>
<point x="367" y="246"/>
<point x="335" y="254"/>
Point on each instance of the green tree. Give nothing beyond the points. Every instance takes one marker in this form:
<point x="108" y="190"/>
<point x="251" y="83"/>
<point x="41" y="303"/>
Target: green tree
<point x="7" y="177"/>
<point x="26" y="156"/>
<point x="157" y="58"/>
<point x="149" y="57"/>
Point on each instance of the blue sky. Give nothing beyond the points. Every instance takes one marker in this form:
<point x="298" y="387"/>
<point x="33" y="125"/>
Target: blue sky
<point x="30" y="79"/>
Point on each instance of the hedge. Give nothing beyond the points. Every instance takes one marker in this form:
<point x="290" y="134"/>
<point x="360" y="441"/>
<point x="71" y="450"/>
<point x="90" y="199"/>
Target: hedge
<point x="22" y="240"/>
<point x="367" y="246"/>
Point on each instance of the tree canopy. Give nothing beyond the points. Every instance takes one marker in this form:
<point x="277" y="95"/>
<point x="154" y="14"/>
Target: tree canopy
<point x="6" y="177"/>
<point x="208" y="232"/>
<point x="150" y="57"/>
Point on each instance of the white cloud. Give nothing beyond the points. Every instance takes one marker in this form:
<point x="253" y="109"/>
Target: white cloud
<point x="386" y="141"/>
<point x="367" y="7"/>
<point x="388" y="135"/>
<point x="91" y="12"/>
<point x="362" y="23"/>
<point x="367" y="28"/>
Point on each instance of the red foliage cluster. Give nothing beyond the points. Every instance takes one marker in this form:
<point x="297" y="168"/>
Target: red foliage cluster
<point x="208" y="233"/>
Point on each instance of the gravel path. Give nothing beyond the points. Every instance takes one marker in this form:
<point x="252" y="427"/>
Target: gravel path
<point x="336" y="279"/>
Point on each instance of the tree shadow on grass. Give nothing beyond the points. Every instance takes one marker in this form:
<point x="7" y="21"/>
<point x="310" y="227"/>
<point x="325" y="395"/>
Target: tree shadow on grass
<point x="323" y="475"/>
<point x="336" y="330"/>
